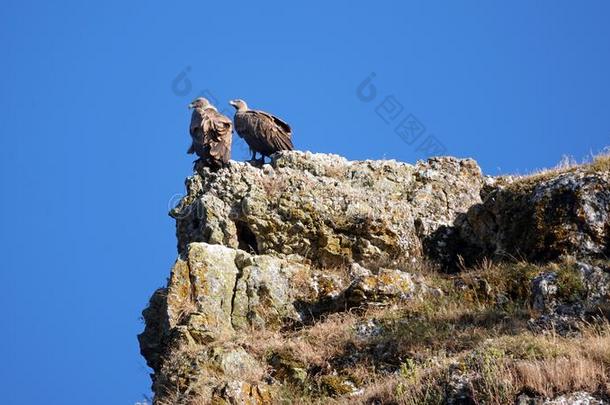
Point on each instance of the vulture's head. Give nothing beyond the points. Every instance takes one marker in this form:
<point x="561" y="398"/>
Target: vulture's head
<point x="200" y="102"/>
<point x="240" y="105"/>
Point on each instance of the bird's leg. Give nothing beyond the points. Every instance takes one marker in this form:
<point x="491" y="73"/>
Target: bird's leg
<point x="262" y="160"/>
<point x="253" y="158"/>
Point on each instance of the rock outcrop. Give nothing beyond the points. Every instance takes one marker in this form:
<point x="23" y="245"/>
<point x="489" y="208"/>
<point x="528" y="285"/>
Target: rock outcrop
<point x="327" y="209"/>
<point x="567" y="299"/>
<point x="217" y="291"/>
<point x="539" y="218"/>
<point x="279" y="248"/>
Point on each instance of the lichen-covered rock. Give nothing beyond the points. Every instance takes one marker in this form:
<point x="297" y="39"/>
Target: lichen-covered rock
<point x="576" y="398"/>
<point x="241" y="393"/>
<point x="569" y="296"/>
<point x="595" y="281"/>
<point x="392" y="284"/>
<point x="206" y="285"/>
<point x="544" y="290"/>
<point x="273" y="251"/>
<point x="216" y="292"/>
<point x="190" y="371"/>
<point x="288" y="369"/>
<point x="326" y="208"/>
<point x="157" y="328"/>
<point x="336" y="385"/>
<point x="540" y="218"/>
<point x="264" y="295"/>
<point x="577" y="284"/>
<point x="459" y="386"/>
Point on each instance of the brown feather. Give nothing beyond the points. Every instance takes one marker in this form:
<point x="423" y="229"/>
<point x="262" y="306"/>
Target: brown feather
<point x="263" y="132"/>
<point x="211" y="133"/>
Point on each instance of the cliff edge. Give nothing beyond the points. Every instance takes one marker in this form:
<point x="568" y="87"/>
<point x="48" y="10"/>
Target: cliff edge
<point x="315" y="279"/>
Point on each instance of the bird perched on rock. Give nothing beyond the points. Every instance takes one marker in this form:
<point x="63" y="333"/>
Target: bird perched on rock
<point x="263" y="132"/>
<point x="211" y="133"/>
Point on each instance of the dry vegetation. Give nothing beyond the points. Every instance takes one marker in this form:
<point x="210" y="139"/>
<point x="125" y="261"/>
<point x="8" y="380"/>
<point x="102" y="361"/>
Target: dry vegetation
<point x="601" y="162"/>
<point x="597" y="163"/>
<point x="412" y="351"/>
<point x="415" y="352"/>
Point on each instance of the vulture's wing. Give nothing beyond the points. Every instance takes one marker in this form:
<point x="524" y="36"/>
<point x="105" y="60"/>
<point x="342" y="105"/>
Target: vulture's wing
<point x="247" y="127"/>
<point x="218" y="134"/>
<point x="222" y="125"/>
<point x="280" y="123"/>
<point x="274" y="133"/>
<point x="195" y="129"/>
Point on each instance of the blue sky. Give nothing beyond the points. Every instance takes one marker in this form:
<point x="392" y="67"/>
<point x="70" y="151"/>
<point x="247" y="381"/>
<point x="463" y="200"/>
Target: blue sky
<point x="93" y="124"/>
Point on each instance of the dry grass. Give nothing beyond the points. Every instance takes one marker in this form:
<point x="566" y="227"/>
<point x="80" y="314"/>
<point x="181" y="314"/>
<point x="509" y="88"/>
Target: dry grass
<point x="423" y="343"/>
<point x="601" y="162"/>
<point x="597" y="163"/>
<point x="565" y="165"/>
<point x="465" y="326"/>
<point x="552" y="365"/>
<point x="556" y="376"/>
<point x="313" y="346"/>
<point x="183" y="308"/>
<point x="498" y="374"/>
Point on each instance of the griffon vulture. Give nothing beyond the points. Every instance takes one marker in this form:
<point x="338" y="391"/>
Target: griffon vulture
<point x="211" y="133"/>
<point x="263" y="132"/>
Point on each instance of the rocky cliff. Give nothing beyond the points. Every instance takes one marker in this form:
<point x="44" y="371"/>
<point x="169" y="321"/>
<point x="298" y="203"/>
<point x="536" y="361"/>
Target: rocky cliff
<point x="319" y="280"/>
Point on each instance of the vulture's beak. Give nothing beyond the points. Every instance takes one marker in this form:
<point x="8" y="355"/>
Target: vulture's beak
<point x="232" y="103"/>
<point x="191" y="106"/>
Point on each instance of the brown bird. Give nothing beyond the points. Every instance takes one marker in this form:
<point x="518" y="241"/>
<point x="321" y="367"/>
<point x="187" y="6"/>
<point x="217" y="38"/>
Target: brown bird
<point x="263" y="132"/>
<point x="211" y="133"/>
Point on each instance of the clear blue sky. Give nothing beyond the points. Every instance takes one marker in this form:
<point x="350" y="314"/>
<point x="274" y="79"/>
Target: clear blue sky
<point x="94" y="122"/>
